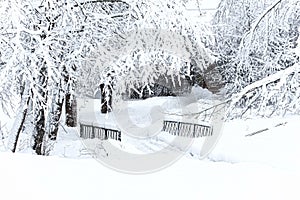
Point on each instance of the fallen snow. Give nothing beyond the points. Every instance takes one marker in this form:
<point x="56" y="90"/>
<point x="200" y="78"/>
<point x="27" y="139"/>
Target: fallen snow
<point x="278" y="147"/>
<point x="34" y="177"/>
<point x="262" y="166"/>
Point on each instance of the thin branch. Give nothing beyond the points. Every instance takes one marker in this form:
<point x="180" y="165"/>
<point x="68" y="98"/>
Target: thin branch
<point x="202" y="111"/>
<point x="262" y="16"/>
<point x="63" y="128"/>
<point x="258" y="21"/>
<point x="265" y="129"/>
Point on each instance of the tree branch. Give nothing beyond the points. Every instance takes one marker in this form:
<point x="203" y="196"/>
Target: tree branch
<point x="265" y="129"/>
<point x="202" y="111"/>
<point x="259" y="19"/>
<point x="272" y="78"/>
<point x="262" y="16"/>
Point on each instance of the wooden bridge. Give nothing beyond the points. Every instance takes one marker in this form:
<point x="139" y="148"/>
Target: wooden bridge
<point x="91" y="132"/>
<point x="175" y="128"/>
<point x="187" y="129"/>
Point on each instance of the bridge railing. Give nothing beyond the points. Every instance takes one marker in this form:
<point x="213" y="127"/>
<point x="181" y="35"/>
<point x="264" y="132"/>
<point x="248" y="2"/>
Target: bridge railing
<point x="176" y="128"/>
<point x="185" y="129"/>
<point x="88" y="131"/>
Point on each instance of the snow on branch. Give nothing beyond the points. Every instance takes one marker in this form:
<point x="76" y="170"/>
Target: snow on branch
<point x="262" y="16"/>
<point x="155" y="39"/>
<point x="272" y="78"/>
<point x="279" y="78"/>
<point x="254" y="26"/>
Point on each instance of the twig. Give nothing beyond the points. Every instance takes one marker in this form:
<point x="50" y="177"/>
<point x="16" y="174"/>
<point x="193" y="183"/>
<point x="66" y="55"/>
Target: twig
<point x="202" y="111"/>
<point x="63" y="128"/>
<point x="257" y="132"/>
<point x="266" y="129"/>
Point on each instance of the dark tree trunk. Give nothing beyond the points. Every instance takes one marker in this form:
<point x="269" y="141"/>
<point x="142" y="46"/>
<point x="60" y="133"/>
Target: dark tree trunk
<point x="106" y="98"/>
<point x="55" y="114"/>
<point x="24" y="114"/>
<point x="39" y="112"/>
<point x="40" y="131"/>
<point x="71" y="102"/>
<point x="71" y="110"/>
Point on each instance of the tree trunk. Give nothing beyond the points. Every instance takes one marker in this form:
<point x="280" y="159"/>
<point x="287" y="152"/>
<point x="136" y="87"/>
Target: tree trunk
<point x="40" y="131"/>
<point x="20" y="119"/>
<point x="71" y="110"/>
<point x="106" y="98"/>
<point x="39" y="111"/>
<point x="71" y="102"/>
<point x="54" y="117"/>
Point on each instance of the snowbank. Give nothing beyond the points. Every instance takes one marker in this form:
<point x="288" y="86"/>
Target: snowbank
<point x="35" y="177"/>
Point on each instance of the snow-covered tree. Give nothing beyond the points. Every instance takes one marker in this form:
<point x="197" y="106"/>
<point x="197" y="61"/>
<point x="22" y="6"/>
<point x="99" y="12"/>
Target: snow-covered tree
<point x="37" y="65"/>
<point x="49" y="47"/>
<point x="158" y="42"/>
<point x="231" y="22"/>
<point x="263" y="50"/>
<point x="42" y="50"/>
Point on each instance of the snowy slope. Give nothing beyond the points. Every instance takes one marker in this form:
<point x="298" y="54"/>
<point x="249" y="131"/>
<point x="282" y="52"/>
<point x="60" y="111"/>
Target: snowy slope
<point x="31" y="177"/>
<point x="263" y="166"/>
<point x="278" y="147"/>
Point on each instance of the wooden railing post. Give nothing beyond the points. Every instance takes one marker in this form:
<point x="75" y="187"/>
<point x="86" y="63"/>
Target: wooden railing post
<point x="81" y="130"/>
<point x="93" y="132"/>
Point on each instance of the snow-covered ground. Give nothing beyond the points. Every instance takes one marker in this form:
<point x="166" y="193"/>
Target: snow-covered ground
<point x="263" y="166"/>
<point x="33" y="177"/>
<point x="277" y="147"/>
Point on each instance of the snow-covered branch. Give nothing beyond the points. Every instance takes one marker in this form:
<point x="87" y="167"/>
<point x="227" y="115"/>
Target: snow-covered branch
<point x="261" y="17"/>
<point x="281" y="75"/>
